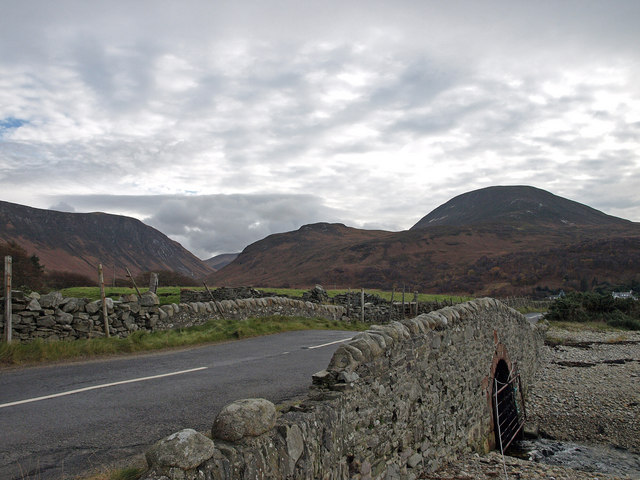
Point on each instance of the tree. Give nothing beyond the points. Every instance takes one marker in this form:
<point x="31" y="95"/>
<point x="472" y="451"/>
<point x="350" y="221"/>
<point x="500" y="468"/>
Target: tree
<point x="27" y="271"/>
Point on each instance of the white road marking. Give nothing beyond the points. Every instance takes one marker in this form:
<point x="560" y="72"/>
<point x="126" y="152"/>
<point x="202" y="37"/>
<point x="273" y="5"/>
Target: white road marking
<point x="330" y="343"/>
<point x="95" y="387"/>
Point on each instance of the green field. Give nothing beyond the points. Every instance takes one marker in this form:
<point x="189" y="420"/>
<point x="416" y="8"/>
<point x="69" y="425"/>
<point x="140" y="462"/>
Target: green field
<point x="169" y="295"/>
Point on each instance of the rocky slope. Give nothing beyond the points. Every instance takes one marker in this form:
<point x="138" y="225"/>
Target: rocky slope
<point x="78" y="242"/>
<point x="495" y="241"/>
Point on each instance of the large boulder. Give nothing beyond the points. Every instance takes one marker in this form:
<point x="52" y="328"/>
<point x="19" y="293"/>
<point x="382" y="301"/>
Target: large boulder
<point x="248" y="417"/>
<point x="149" y="299"/>
<point x="185" y="449"/>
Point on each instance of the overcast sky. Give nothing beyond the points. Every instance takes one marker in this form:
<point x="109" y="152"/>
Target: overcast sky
<point x="220" y="122"/>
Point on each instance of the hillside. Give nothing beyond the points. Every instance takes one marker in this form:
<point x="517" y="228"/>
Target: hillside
<point x="500" y="248"/>
<point x="78" y="242"/>
<point x="515" y="204"/>
<point x="221" y="261"/>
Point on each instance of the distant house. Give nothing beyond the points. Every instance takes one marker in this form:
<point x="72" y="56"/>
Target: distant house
<point x="624" y="295"/>
<point x="556" y="297"/>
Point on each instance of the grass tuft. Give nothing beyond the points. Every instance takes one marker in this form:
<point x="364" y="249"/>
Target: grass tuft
<point x="39" y="351"/>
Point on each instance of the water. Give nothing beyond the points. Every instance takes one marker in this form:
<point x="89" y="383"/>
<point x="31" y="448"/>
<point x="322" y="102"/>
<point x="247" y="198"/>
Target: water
<point x="588" y="458"/>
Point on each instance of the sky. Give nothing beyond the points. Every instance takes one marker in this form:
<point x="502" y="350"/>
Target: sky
<point x="221" y="122"/>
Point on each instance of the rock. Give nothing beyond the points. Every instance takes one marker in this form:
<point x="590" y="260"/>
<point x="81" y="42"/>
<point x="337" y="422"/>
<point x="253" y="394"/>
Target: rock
<point x="414" y="460"/>
<point x="185" y="449"/>
<point x="46" y="321"/>
<point x="93" y="307"/>
<point x="316" y="295"/>
<point x="323" y="377"/>
<point x="295" y="445"/>
<point x="149" y="299"/>
<point x="34" y="305"/>
<point x="73" y="305"/>
<point x="63" y="317"/>
<point x="51" y="300"/>
<point x="249" y="417"/>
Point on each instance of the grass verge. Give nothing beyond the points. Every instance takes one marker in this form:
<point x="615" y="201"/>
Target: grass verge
<point x="40" y="351"/>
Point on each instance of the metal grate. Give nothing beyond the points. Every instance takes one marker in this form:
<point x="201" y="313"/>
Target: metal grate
<point x="509" y="410"/>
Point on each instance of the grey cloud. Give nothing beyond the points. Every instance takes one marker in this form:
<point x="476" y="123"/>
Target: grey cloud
<point x="252" y="114"/>
<point x="62" y="207"/>
<point x="212" y="224"/>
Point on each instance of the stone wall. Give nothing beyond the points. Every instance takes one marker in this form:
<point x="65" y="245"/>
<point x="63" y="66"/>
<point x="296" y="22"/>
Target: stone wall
<point x="395" y="400"/>
<point x="52" y="317"/>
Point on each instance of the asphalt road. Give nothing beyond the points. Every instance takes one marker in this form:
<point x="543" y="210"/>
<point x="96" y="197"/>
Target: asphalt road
<point x="114" y="411"/>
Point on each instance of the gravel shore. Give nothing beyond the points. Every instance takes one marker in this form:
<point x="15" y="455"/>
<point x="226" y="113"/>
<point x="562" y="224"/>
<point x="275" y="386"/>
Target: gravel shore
<point x="587" y="391"/>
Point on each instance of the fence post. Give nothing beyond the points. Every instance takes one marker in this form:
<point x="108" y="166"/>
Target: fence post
<point x="415" y="299"/>
<point x="104" y="301"/>
<point x="7" y="298"/>
<point x="133" y="281"/>
<point x="391" y="307"/>
<point x="362" y="305"/>
<point x="153" y="282"/>
<point x="403" y="314"/>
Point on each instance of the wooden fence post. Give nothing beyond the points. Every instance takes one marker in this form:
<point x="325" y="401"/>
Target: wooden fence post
<point x="105" y="315"/>
<point x="403" y="314"/>
<point x="133" y="281"/>
<point x="415" y="299"/>
<point x="391" y="307"/>
<point x="8" y="327"/>
<point x="349" y="302"/>
<point x="362" y="305"/>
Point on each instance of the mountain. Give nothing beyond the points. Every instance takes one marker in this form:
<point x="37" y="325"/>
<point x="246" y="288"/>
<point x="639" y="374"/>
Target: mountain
<point x="514" y="204"/>
<point x="494" y="241"/>
<point x="78" y="242"/>
<point x="221" y="261"/>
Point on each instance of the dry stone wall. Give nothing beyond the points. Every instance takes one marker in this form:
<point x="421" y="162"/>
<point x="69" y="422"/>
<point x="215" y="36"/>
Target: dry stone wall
<point x="53" y="317"/>
<point x="395" y="400"/>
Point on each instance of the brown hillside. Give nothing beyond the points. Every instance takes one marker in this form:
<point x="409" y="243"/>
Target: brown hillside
<point x="78" y="242"/>
<point x="499" y="256"/>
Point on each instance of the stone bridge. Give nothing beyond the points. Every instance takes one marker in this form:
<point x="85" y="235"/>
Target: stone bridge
<point x="395" y="400"/>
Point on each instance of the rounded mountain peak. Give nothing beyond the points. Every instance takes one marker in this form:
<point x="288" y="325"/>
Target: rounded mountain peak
<point x="516" y="204"/>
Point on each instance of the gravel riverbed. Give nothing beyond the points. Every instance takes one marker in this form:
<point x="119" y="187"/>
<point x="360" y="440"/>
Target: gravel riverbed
<point x="587" y="391"/>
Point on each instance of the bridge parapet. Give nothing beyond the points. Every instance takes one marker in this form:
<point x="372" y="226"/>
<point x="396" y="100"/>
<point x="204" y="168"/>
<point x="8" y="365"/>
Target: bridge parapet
<point x="395" y="399"/>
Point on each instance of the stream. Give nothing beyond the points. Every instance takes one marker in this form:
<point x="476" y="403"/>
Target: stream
<point x="588" y="458"/>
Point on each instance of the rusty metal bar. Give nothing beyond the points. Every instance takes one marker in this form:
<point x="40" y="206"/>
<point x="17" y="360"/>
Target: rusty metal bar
<point x="515" y="424"/>
<point x="105" y="315"/>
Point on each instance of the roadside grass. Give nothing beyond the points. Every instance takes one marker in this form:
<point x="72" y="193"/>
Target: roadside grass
<point x="39" y="351"/>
